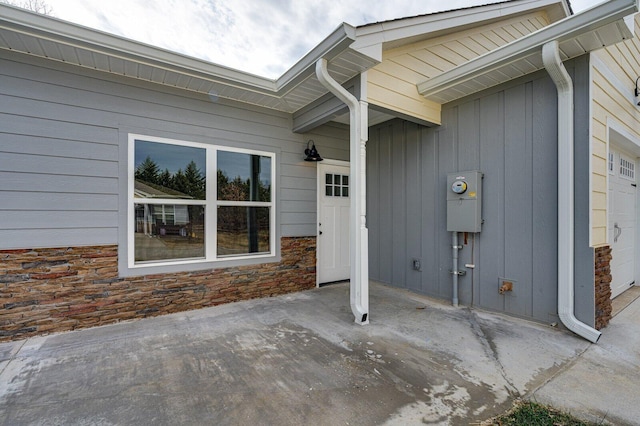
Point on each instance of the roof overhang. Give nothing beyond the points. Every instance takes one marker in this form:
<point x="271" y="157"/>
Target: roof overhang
<point x="595" y="28"/>
<point x="55" y="39"/>
<point x="372" y="39"/>
<point x="350" y="51"/>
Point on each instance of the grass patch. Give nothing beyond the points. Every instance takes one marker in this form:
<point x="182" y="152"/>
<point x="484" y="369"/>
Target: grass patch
<point x="533" y="414"/>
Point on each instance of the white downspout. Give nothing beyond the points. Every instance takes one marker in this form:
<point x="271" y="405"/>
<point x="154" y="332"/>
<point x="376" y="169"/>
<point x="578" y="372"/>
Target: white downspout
<point x="562" y="80"/>
<point x="358" y="232"/>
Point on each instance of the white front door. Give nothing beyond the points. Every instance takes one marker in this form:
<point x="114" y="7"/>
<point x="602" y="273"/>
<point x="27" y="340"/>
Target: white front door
<point x="333" y="222"/>
<point x="622" y="220"/>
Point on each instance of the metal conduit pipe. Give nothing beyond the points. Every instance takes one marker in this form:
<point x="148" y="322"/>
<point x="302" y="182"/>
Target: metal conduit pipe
<point x="554" y="66"/>
<point x="455" y="247"/>
<point x="358" y="232"/>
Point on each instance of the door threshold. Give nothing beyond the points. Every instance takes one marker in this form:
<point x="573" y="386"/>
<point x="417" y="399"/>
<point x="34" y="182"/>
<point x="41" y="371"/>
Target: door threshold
<point x="624" y="299"/>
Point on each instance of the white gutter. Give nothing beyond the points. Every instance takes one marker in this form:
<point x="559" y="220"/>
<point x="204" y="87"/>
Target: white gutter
<point x="358" y="232"/>
<point x="70" y="35"/>
<point x="562" y="80"/>
<point x="462" y="80"/>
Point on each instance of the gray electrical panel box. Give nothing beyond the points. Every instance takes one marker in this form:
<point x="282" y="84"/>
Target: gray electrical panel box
<point x="464" y="201"/>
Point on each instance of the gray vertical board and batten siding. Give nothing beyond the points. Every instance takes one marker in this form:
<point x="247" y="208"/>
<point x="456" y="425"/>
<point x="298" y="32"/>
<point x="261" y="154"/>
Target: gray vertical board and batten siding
<point x="510" y="134"/>
<point x="584" y="253"/>
<point x="63" y="132"/>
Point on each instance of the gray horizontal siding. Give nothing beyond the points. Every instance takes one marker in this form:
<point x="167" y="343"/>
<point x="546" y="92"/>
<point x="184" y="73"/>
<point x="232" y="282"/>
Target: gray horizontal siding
<point x="55" y="146"/>
<point x="50" y="130"/>
<point x="35" y="181"/>
<point x="63" y="144"/>
<point x="57" y="164"/>
<point x="58" y="201"/>
<point x="38" y="219"/>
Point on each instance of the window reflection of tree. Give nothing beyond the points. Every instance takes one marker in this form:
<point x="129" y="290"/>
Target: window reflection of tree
<point x="247" y="226"/>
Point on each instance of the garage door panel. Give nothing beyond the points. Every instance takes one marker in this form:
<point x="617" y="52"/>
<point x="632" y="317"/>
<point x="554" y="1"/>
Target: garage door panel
<point x="622" y="220"/>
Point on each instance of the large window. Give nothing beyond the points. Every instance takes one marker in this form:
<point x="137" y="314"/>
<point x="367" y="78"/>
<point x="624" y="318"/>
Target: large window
<point x="195" y="202"/>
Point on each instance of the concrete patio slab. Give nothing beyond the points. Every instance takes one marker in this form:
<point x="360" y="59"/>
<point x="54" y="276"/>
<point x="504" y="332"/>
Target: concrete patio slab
<point x="295" y="359"/>
<point x="603" y="383"/>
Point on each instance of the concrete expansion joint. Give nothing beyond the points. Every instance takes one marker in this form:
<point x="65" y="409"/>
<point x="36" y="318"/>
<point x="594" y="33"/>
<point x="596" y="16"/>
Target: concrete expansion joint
<point x="491" y="351"/>
<point x="12" y="356"/>
<point x="567" y="366"/>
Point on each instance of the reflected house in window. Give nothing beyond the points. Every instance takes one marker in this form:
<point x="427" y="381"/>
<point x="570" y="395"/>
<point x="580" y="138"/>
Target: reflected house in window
<point x="173" y="230"/>
<point x="169" y="201"/>
<point x="168" y="219"/>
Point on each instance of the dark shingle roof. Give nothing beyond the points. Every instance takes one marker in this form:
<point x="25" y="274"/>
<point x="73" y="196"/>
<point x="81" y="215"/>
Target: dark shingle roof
<point x="452" y="10"/>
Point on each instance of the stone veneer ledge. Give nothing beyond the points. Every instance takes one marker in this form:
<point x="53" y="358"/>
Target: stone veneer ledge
<point x="60" y="289"/>
<point x="603" y="286"/>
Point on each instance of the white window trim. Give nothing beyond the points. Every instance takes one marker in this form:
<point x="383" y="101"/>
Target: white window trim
<point x="211" y="204"/>
<point x="626" y="167"/>
<point x="611" y="162"/>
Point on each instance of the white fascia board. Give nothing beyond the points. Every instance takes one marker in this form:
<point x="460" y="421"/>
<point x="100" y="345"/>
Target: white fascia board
<point x="375" y="37"/>
<point x="567" y="29"/>
<point x="630" y="23"/>
<point x="59" y="31"/>
<point x="339" y="40"/>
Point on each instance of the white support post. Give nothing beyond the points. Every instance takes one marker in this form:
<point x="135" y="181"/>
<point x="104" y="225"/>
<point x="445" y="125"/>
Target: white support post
<point x="358" y="232"/>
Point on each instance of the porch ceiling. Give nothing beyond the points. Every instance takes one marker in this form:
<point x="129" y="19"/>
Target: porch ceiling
<point x="598" y="27"/>
<point x="54" y="39"/>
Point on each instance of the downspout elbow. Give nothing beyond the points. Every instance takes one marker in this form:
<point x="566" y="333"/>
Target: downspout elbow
<point x="566" y="311"/>
<point x="333" y="86"/>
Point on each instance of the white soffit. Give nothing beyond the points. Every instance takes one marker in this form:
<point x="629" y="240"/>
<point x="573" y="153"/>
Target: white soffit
<point x="54" y="39"/>
<point x="598" y="27"/>
<point x="375" y="117"/>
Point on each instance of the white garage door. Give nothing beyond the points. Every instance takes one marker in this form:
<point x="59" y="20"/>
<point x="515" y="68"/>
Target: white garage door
<point x="622" y="220"/>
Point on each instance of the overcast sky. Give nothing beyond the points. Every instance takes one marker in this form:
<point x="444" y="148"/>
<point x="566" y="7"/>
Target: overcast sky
<point x="263" y="37"/>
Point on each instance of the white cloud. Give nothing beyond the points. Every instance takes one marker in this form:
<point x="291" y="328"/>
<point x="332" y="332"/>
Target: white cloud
<point x="263" y="37"/>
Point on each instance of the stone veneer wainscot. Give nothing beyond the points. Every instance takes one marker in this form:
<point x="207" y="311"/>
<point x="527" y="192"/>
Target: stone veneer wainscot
<point x="60" y="289"/>
<point x="603" y="286"/>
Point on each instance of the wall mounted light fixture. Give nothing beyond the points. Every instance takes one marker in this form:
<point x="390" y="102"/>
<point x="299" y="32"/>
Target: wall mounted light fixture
<point x="311" y="152"/>
<point x="637" y="93"/>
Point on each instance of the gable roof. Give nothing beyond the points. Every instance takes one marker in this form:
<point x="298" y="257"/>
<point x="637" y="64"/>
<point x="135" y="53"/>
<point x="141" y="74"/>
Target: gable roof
<point x="374" y="38"/>
<point x="349" y="50"/>
<point x="595" y="28"/>
<point x="568" y="7"/>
